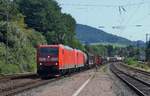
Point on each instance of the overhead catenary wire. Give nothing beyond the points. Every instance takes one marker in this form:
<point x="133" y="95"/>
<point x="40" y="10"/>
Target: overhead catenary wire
<point x="103" y="5"/>
<point x="132" y="15"/>
<point x="123" y="7"/>
<point x="128" y="19"/>
<point x="121" y="10"/>
<point x="144" y="17"/>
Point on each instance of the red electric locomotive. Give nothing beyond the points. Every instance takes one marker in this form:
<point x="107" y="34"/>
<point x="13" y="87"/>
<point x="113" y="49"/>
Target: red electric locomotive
<point x="55" y="60"/>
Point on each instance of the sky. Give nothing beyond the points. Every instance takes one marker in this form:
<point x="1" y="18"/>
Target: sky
<point x="126" y="18"/>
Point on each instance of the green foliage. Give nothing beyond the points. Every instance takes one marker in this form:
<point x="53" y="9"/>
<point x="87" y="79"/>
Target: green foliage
<point x="97" y="49"/>
<point x="3" y="30"/>
<point x="128" y="51"/>
<point x="109" y="50"/>
<point x="10" y="9"/>
<point x="9" y="69"/>
<point x="69" y="25"/>
<point x="36" y="38"/>
<point x="39" y="14"/>
<point x="131" y="61"/>
<point x="135" y="64"/>
<point x="2" y="53"/>
<point x="76" y="44"/>
<point x="45" y="16"/>
<point x="31" y="23"/>
<point x="20" y="53"/>
<point x="132" y="51"/>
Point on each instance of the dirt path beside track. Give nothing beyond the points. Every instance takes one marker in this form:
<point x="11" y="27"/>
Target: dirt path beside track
<point x="88" y="83"/>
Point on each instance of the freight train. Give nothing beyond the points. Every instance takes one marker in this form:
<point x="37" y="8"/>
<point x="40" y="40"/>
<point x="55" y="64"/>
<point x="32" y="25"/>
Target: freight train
<point x="115" y="59"/>
<point x="56" y="60"/>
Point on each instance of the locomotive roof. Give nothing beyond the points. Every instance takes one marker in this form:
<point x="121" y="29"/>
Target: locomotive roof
<point x="60" y="45"/>
<point x="67" y="47"/>
<point x="48" y="45"/>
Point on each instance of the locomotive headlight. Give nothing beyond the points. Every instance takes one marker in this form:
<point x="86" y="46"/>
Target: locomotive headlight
<point x="40" y="63"/>
<point x="56" y="63"/>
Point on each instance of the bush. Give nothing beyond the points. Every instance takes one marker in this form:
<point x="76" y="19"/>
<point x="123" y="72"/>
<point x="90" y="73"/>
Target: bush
<point x="9" y="68"/>
<point x="131" y="61"/>
<point x="134" y="63"/>
<point x="21" y="50"/>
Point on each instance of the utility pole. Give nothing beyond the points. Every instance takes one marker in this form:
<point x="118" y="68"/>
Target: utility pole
<point x="146" y="39"/>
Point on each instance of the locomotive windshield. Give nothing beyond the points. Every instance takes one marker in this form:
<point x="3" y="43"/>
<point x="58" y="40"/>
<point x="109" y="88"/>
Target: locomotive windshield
<point x="51" y="51"/>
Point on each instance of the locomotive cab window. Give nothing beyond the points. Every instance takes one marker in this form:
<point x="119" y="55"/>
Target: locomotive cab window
<point x="52" y="51"/>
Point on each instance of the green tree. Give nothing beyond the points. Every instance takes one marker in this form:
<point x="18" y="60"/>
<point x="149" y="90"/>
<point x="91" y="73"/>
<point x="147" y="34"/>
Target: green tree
<point x="40" y="14"/>
<point x="8" y="7"/>
<point x="69" y="24"/>
<point x="46" y="17"/>
<point x="110" y="50"/>
<point x="31" y="23"/>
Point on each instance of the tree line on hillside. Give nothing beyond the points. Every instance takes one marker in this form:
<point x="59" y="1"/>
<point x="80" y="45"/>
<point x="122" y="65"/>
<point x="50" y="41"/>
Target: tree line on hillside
<point x="88" y="34"/>
<point x="24" y="24"/>
<point x="110" y="51"/>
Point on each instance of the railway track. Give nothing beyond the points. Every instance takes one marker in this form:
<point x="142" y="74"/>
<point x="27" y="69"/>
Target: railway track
<point x="11" y="85"/>
<point x="136" y="70"/>
<point x="139" y="86"/>
<point x="23" y="87"/>
<point x="6" y="78"/>
<point x="14" y="84"/>
<point x="139" y="74"/>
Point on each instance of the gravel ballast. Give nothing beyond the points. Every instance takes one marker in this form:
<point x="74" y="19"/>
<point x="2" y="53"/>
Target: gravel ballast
<point x="102" y="83"/>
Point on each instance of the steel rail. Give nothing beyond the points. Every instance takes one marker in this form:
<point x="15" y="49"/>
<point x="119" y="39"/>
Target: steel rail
<point x="136" y="70"/>
<point x="140" y="87"/>
<point x="33" y="84"/>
